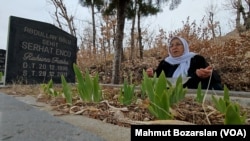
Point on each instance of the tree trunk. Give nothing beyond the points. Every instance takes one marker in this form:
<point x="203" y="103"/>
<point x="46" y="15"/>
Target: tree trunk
<point x="248" y="16"/>
<point x="238" y="26"/>
<point x="211" y="20"/>
<point x="132" y="44"/>
<point x="139" y="35"/>
<point x="94" y="30"/>
<point x="248" y="23"/>
<point x="121" y="6"/>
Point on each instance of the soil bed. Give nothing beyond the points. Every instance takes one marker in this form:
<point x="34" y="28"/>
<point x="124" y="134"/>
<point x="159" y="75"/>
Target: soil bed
<point x="109" y="110"/>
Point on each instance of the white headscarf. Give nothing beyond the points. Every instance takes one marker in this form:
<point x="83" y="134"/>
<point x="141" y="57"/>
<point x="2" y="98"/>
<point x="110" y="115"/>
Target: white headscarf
<point x="183" y="60"/>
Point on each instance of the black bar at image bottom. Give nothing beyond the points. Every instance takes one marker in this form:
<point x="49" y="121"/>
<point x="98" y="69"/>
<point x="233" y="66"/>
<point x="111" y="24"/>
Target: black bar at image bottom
<point x="217" y="132"/>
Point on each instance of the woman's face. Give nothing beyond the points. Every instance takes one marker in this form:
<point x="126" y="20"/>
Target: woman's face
<point x="176" y="48"/>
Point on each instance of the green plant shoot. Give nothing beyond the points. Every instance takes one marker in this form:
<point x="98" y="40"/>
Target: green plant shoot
<point x="199" y="95"/>
<point x="88" y="87"/>
<point x="127" y="93"/>
<point x="48" y="89"/>
<point x="66" y="90"/>
<point x="233" y="115"/>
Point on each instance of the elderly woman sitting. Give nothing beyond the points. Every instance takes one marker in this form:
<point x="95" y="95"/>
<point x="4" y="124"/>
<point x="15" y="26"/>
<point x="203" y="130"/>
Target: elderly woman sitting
<point x="182" y="62"/>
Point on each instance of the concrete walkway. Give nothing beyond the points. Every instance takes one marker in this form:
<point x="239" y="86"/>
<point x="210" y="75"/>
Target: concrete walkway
<point x="24" y="119"/>
<point x="22" y="122"/>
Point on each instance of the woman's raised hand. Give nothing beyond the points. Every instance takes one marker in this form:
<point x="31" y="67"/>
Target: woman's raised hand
<point x="150" y="72"/>
<point x="204" y="72"/>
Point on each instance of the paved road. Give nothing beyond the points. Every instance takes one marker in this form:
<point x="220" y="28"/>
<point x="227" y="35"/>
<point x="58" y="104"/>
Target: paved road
<point x="22" y="122"/>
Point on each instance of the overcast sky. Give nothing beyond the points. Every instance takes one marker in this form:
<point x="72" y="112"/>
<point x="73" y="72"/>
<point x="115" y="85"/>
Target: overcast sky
<point x="40" y="10"/>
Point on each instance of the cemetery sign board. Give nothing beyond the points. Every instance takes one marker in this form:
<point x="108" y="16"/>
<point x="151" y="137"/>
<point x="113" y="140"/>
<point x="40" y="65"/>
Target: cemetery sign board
<point x="38" y="52"/>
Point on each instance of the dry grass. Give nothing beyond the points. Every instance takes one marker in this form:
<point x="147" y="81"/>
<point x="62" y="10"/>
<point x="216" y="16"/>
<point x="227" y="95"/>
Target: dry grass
<point x="230" y="56"/>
